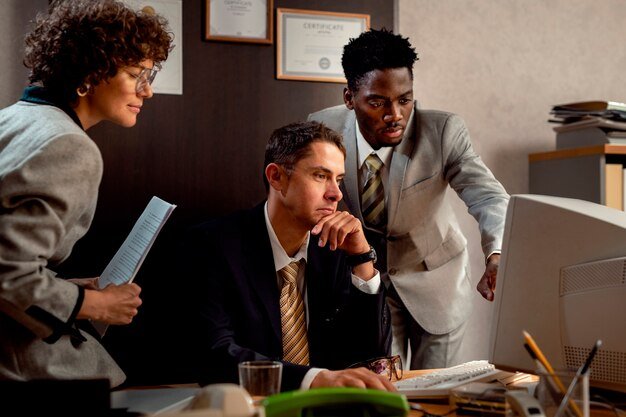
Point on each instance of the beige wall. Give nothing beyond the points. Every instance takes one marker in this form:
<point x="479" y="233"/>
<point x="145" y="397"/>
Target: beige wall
<point x="501" y="65"/>
<point x="14" y="18"/>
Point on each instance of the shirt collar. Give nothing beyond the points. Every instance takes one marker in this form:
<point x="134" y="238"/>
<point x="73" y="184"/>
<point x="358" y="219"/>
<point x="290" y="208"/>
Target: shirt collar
<point x="40" y="95"/>
<point x="365" y="149"/>
<point x="281" y="259"/>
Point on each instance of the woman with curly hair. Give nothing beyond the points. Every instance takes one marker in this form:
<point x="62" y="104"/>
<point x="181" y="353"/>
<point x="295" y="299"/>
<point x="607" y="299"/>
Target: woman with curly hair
<point x="89" y="61"/>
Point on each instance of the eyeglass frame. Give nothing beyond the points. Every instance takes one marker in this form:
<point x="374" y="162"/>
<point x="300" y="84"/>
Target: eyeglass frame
<point x="143" y="80"/>
<point x="394" y="365"/>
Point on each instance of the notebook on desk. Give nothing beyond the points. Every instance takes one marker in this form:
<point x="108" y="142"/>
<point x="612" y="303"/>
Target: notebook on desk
<point x="153" y="400"/>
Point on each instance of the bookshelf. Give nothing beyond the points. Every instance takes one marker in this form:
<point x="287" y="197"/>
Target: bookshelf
<point x="594" y="173"/>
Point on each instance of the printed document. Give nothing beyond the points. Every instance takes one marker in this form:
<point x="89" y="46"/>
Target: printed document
<point x="129" y="257"/>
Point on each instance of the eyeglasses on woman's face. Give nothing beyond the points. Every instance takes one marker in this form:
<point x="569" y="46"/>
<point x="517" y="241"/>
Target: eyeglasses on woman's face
<point x="388" y="366"/>
<point x="143" y="78"/>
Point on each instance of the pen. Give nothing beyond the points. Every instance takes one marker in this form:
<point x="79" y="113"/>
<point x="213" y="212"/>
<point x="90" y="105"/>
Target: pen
<point x="538" y="363"/>
<point x="589" y="359"/>
<point x="581" y="371"/>
<point x="542" y="359"/>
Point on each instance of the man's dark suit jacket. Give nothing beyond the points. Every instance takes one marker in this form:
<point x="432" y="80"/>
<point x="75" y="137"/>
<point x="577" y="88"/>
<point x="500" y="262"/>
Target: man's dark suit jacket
<point x="236" y="303"/>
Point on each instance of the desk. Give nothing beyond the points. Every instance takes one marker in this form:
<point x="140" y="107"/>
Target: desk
<point x="436" y="407"/>
<point x="154" y="399"/>
<point x="441" y="407"/>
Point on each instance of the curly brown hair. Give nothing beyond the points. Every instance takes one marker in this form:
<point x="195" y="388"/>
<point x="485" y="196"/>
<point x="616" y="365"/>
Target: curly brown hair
<point x="85" y="42"/>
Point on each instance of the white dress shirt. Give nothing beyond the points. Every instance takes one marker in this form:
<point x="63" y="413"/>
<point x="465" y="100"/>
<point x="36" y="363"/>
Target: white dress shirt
<point x="364" y="149"/>
<point x="282" y="259"/>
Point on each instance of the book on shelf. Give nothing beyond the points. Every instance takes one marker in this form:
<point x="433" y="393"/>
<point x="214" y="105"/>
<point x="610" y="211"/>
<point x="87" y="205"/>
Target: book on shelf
<point x="614" y="186"/>
<point x="624" y="190"/>
<point x="589" y="136"/>
<point x="575" y="112"/>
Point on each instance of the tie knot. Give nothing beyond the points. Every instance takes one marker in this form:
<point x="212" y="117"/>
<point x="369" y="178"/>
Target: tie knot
<point x="290" y="272"/>
<point x="373" y="162"/>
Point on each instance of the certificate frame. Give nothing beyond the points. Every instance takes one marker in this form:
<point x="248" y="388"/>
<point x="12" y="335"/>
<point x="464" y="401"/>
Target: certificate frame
<point x="309" y="43"/>
<point x="249" y="21"/>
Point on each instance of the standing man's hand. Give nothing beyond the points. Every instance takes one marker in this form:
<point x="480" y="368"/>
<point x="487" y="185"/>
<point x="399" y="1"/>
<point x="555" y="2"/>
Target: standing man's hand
<point x="487" y="284"/>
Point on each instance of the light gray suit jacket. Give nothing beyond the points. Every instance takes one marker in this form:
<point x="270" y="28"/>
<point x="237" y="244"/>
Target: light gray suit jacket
<point x="423" y="242"/>
<point x="50" y="171"/>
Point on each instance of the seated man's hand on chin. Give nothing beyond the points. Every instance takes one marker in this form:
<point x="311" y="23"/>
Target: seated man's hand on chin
<point x="358" y="377"/>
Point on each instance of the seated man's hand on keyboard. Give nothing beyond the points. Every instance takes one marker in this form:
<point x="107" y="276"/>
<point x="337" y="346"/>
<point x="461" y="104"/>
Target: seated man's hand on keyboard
<point x="357" y="377"/>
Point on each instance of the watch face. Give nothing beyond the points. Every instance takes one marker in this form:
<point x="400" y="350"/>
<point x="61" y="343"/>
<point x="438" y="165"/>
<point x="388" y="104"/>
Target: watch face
<point x="374" y="255"/>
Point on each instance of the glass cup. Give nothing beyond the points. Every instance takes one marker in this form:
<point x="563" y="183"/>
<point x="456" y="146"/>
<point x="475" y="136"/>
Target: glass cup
<point x="260" y="378"/>
<point x="552" y="389"/>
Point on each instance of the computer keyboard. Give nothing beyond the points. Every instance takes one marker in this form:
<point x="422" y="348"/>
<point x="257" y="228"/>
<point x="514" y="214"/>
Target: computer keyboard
<point x="439" y="382"/>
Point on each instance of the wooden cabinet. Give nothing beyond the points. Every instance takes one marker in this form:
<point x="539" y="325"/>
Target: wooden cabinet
<point x="592" y="173"/>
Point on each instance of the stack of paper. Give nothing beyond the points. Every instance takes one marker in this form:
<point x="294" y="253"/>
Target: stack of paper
<point x="589" y="123"/>
<point x="571" y="112"/>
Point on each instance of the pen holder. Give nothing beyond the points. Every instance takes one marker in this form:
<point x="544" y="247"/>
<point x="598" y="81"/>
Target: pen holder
<point x="553" y="388"/>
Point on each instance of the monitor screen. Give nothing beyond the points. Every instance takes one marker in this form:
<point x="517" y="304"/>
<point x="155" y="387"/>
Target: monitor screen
<point x="562" y="279"/>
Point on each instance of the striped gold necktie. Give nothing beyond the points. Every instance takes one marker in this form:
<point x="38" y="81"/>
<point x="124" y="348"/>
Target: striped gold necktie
<point x="292" y="317"/>
<point x="373" y="197"/>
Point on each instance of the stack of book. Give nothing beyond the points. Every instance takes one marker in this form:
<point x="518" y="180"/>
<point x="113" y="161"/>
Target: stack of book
<point x="589" y="123"/>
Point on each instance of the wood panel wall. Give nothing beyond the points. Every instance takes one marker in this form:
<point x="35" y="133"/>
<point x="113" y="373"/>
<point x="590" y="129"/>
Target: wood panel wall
<point x="202" y="150"/>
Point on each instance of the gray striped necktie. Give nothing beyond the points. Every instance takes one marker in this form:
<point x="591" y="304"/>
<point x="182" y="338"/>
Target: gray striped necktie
<point x="373" y="197"/>
<point x="292" y="317"/>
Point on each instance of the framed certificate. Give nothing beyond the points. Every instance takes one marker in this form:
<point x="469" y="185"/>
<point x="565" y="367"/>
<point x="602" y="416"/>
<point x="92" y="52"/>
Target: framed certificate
<point x="239" y="21"/>
<point x="309" y="43"/>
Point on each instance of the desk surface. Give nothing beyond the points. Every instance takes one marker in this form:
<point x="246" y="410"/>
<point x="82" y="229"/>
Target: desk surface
<point x="436" y="407"/>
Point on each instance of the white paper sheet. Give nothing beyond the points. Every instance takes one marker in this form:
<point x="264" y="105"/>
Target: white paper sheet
<point x="124" y="265"/>
<point x="129" y="257"/>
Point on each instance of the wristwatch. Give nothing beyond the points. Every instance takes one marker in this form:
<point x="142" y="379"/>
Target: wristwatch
<point x="354" y="260"/>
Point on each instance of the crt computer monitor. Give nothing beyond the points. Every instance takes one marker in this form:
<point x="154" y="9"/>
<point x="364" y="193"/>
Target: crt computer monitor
<point x="562" y="279"/>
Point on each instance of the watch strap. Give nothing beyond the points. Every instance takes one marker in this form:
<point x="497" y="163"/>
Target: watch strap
<point x="354" y="260"/>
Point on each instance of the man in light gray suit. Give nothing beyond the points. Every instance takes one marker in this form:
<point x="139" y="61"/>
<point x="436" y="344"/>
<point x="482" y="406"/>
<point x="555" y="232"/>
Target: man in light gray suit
<point x="400" y="162"/>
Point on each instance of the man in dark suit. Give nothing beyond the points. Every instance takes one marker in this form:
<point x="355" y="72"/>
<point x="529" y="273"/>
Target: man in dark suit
<point x="292" y="279"/>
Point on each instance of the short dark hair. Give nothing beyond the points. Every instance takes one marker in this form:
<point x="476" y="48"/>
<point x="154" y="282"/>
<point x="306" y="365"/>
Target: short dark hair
<point x="289" y="144"/>
<point x="376" y="50"/>
<point x="86" y="42"/>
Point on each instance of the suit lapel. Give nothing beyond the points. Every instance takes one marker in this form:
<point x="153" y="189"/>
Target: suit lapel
<point x="260" y="269"/>
<point x="321" y="279"/>
<point x="399" y="161"/>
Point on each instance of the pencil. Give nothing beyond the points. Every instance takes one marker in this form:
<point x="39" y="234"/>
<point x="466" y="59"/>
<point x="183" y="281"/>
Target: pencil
<point x="542" y="359"/>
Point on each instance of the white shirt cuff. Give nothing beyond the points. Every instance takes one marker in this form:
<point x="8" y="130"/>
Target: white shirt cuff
<point x="495" y="252"/>
<point x="309" y="377"/>
<point x="372" y="286"/>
